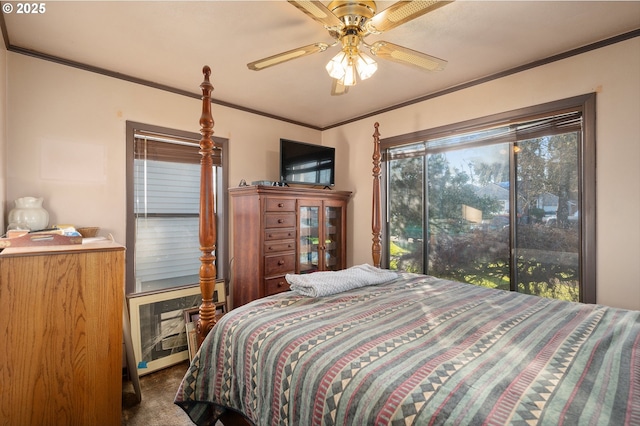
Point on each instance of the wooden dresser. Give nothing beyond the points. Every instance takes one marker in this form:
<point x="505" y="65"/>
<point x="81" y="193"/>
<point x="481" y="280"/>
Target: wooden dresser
<point x="281" y="230"/>
<point x="61" y="328"/>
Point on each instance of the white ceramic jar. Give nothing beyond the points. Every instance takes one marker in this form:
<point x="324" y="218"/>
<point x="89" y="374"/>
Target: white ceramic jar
<point x="29" y="212"/>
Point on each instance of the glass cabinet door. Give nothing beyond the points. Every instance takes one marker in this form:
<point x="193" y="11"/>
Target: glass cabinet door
<point x="321" y="244"/>
<point x="309" y="237"/>
<point x="332" y="238"/>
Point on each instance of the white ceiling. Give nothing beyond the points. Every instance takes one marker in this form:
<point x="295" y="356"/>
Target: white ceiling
<point x="168" y="42"/>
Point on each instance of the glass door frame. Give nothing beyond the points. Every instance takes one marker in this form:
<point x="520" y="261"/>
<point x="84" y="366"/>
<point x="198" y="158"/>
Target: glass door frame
<point x="309" y="204"/>
<point x="586" y="104"/>
<point x="340" y="240"/>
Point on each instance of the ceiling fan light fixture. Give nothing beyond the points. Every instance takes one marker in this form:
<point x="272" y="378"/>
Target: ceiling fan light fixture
<point x="365" y="65"/>
<point x="347" y="67"/>
<point x="337" y="66"/>
<point x="350" y="76"/>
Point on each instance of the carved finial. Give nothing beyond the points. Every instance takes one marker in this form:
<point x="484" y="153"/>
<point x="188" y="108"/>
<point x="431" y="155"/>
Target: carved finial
<point x="206" y="85"/>
<point x="206" y="120"/>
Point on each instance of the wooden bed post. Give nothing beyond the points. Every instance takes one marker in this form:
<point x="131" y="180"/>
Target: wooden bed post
<point x="207" y="233"/>
<point x="376" y="220"/>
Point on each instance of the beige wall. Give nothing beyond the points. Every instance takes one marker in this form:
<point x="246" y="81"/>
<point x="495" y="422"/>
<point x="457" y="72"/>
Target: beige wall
<point x="613" y="73"/>
<point x="3" y="134"/>
<point x="70" y="112"/>
<point x="67" y="138"/>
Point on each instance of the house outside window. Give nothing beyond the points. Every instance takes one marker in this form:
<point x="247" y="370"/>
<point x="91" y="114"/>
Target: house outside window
<point x="163" y="196"/>
<point x="504" y="202"/>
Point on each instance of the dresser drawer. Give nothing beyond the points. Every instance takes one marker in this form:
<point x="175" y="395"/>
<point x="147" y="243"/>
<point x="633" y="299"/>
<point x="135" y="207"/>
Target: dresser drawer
<point x="275" y="285"/>
<point x="280" y="205"/>
<point x="279" y="264"/>
<point x="280" y="234"/>
<point x="280" y="220"/>
<point x="277" y="246"/>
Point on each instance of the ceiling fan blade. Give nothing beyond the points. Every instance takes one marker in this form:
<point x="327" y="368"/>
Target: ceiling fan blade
<point x="287" y="56"/>
<point x="403" y="55"/>
<point x="337" y="88"/>
<point x="401" y="12"/>
<point x="318" y="12"/>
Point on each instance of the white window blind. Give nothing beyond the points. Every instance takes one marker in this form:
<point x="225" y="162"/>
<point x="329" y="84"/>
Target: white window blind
<point x="166" y="208"/>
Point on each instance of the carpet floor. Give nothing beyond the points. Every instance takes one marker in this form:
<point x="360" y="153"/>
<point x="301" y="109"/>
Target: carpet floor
<point x="156" y="408"/>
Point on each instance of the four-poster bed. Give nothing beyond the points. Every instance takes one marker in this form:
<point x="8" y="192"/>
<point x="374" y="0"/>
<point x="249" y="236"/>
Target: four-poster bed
<point x="390" y="348"/>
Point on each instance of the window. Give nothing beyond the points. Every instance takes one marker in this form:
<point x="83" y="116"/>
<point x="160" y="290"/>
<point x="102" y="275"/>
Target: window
<point x="163" y="199"/>
<point x="504" y="202"/>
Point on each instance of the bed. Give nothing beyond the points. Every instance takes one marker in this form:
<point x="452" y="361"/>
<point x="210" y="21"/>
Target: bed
<point x="368" y="346"/>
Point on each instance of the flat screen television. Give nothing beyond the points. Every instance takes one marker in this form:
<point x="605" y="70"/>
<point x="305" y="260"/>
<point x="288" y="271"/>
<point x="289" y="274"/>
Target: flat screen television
<point x="305" y="163"/>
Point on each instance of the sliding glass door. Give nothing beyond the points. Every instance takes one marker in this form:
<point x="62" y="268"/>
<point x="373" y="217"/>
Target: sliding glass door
<point x="548" y="240"/>
<point x="496" y="207"/>
<point x="468" y="227"/>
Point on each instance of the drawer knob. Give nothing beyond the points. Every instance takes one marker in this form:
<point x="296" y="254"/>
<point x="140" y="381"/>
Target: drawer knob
<point x="280" y="262"/>
<point x="280" y="204"/>
<point x="280" y="220"/>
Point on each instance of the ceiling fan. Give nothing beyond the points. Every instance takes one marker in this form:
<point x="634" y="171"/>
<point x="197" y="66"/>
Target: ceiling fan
<point x="349" y="22"/>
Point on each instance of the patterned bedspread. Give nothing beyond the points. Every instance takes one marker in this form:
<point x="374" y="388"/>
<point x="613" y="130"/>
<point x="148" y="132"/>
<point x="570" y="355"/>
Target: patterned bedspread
<point x="418" y="350"/>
